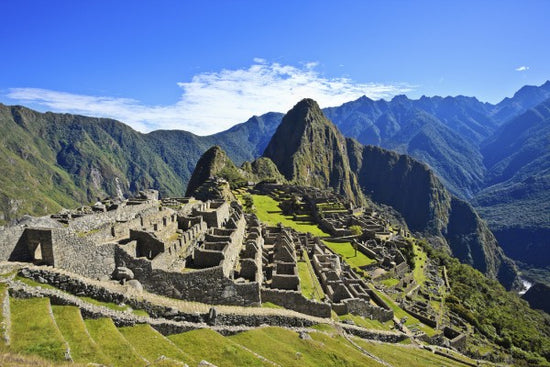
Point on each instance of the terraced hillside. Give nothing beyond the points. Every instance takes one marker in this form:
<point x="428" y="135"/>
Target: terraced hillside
<point x="49" y="331"/>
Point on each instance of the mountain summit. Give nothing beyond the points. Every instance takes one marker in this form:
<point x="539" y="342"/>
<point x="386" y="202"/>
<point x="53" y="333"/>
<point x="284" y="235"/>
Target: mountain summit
<point x="309" y="150"/>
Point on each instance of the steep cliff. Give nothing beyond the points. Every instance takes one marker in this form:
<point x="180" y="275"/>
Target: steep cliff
<point x="309" y="150"/>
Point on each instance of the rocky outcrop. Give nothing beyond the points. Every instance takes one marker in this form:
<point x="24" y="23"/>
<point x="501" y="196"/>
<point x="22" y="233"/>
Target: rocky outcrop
<point x="538" y="297"/>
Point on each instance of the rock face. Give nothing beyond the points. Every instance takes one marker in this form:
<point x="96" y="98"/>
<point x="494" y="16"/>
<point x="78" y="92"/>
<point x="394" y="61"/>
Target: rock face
<point x="310" y="151"/>
<point x="538" y="297"/>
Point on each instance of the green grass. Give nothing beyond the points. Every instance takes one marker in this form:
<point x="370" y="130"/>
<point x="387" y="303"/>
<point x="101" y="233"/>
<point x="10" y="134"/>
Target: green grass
<point x="270" y="305"/>
<point x="324" y="327"/>
<point x="3" y="287"/>
<point x="367" y="323"/>
<point x="284" y="347"/>
<point x="420" y="258"/>
<point x="309" y="283"/>
<point x="390" y="282"/>
<point x="33" y="330"/>
<point x="33" y="283"/>
<point x="412" y="322"/>
<point x="114" y="306"/>
<point x="206" y="344"/>
<point x="268" y="211"/>
<point x="112" y="343"/>
<point x="71" y="325"/>
<point x="346" y="250"/>
<point x="151" y="344"/>
<point x="399" y="355"/>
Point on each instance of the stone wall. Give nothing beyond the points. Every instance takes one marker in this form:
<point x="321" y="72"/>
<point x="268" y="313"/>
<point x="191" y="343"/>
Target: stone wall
<point x="203" y="285"/>
<point x="87" y="223"/>
<point x="295" y="301"/>
<point x="82" y="256"/>
<point x="360" y="307"/>
<point x="11" y="247"/>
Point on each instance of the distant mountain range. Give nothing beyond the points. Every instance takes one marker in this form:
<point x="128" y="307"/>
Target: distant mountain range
<point x="494" y="156"/>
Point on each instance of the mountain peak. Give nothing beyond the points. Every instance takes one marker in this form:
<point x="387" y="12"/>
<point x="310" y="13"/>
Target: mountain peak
<point x="211" y="163"/>
<point x="308" y="150"/>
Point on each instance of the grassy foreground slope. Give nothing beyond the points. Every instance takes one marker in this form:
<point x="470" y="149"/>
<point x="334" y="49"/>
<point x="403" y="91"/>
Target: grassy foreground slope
<point x="71" y="325"/>
<point x="33" y="330"/>
<point x="286" y="348"/>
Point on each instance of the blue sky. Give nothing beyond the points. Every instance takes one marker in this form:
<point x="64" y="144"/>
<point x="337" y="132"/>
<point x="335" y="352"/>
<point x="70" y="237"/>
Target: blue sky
<point x="203" y="66"/>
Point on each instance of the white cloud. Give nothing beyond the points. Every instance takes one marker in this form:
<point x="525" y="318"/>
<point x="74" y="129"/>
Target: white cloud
<point x="522" y="68"/>
<point x="215" y="101"/>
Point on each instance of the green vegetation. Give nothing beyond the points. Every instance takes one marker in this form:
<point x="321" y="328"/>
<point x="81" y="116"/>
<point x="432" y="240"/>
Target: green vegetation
<point x="287" y="349"/>
<point x="114" y="306"/>
<point x="367" y="323"/>
<point x="356" y="230"/>
<point x="501" y="316"/>
<point x="206" y="344"/>
<point x="270" y="305"/>
<point x="71" y="325"/>
<point x="420" y="258"/>
<point x="399" y="355"/>
<point x="151" y="344"/>
<point x="355" y="259"/>
<point x="2" y="323"/>
<point x="33" y="283"/>
<point x="309" y="283"/>
<point x="268" y="211"/>
<point x="412" y="322"/>
<point x="335" y="207"/>
<point x="390" y="282"/>
<point x="33" y="330"/>
<point x="112" y="343"/>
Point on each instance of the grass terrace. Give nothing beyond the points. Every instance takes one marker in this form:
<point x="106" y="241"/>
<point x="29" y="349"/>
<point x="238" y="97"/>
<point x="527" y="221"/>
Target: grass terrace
<point x="367" y="323"/>
<point x="346" y="250"/>
<point x="71" y="325"/>
<point x="412" y="322"/>
<point x="309" y="283"/>
<point x="151" y="344"/>
<point x="112" y="343"/>
<point x="398" y="355"/>
<point x="285" y="348"/>
<point x="209" y="345"/>
<point x="268" y="211"/>
<point x="33" y="330"/>
<point x="420" y="258"/>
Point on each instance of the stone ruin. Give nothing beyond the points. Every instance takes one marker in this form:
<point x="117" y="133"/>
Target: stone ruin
<point x="212" y="252"/>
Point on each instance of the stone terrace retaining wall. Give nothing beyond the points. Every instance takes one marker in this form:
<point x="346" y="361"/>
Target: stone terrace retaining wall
<point x="165" y="319"/>
<point x="295" y="301"/>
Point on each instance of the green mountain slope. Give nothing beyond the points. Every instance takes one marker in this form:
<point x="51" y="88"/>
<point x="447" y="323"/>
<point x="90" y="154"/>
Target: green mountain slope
<point x="412" y="189"/>
<point x="516" y="201"/>
<point x="50" y="161"/>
